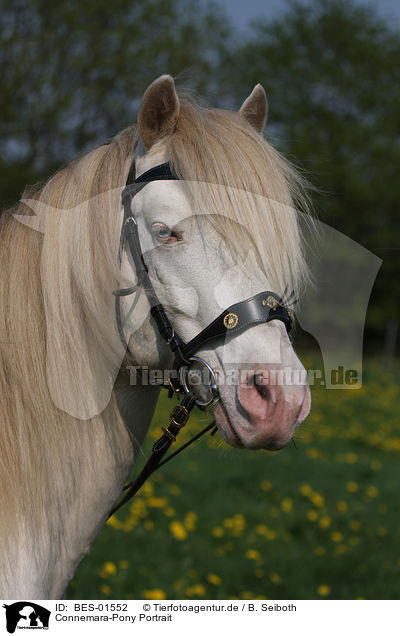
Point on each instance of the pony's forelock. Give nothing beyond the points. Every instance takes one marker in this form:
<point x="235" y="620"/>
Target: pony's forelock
<point x="262" y="191"/>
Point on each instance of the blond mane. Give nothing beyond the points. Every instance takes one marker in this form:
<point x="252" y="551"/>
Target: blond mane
<point x="264" y="193"/>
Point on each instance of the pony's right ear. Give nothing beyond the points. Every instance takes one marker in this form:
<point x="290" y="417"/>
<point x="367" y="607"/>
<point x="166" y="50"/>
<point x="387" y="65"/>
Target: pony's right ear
<point x="159" y="111"/>
<point x="255" y="108"/>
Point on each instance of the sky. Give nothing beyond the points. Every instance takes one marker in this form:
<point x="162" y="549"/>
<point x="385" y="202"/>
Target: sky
<point x="241" y="11"/>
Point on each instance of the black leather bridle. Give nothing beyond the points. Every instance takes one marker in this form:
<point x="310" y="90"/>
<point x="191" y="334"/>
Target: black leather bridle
<point x="261" y="308"/>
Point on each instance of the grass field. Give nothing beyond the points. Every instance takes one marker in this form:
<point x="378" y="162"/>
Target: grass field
<point x="317" y="521"/>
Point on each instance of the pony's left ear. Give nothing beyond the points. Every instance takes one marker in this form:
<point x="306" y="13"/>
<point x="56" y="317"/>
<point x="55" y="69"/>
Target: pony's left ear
<point x="254" y="109"/>
<point x="159" y="111"/>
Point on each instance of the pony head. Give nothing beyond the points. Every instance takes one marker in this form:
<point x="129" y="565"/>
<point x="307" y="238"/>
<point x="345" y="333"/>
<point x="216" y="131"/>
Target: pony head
<point x="225" y="231"/>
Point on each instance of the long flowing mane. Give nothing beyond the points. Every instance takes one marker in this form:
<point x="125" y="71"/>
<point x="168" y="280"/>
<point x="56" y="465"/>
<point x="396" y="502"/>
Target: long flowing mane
<point x="40" y="445"/>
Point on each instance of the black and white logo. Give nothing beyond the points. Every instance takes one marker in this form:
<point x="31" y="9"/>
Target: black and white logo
<point x="26" y="615"/>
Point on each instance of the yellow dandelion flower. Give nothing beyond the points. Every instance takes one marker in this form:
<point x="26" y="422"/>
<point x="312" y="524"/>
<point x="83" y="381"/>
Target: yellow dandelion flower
<point x="253" y="555"/>
<point x="114" y="523"/>
<point x="313" y="453"/>
<point x="275" y="578"/>
<point x="148" y="488"/>
<point x="129" y="525"/>
<point x="317" y="500"/>
<point x="371" y="492"/>
<point x="351" y="486"/>
<point x="196" y="590"/>
<point x="236" y="524"/>
<point x="190" y="520"/>
<point x="261" y="529"/>
<point x="105" y="589"/>
<point x="178" y="531"/>
<point x="247" y="595"/>
<point x="312" y="515"/>
<point x="306" y="490"/>
<point x="157" y="502"/>
<point x="323" y="590"/>
<point x="325" y="522"/>
<point x="355" y="525"/>
<point x="342" y="506"/>
<point x="177" y="585"/>
<point x="123" y="564"/>
<point x="270" y="535"/>
<point x="287" y="504"/>
<point x="375" y="464"/>
<point x="173" y="489"/>
<point x="217" y="531"/>
<point x="266" y="485"/>
<point x="351" y="458"/>
<point x="336" y="536"/>
<point x="341" y="549"/>
<point x="169" y="512"/>
<point x="214" y="579"/>
<point x="155" y="595"/>
<point x="381" y="531"/>
<point x="109" y="569"/>
<point x="148" y="525"/>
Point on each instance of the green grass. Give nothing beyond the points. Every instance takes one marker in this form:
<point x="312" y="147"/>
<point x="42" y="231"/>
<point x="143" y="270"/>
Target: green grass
<point x="319" y="521"/>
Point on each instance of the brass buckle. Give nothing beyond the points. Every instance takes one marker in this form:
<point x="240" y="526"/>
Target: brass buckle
<point x="178" y="408"/>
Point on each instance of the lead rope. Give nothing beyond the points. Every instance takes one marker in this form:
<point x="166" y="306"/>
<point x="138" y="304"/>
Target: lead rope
<point x="177" y="420"/>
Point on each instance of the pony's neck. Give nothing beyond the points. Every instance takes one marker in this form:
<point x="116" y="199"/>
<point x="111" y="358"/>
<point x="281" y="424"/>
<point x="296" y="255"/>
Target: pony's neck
<point x="42" y="556"/>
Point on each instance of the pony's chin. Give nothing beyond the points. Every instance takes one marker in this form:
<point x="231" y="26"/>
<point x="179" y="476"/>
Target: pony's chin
<point x="225" y="427"/>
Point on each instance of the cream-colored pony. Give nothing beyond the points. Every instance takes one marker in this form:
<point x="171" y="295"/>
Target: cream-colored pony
<point x="72" y="421"/>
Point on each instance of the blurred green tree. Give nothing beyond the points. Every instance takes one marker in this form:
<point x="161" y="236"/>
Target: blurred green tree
<point x="331" y="69"/>
<point x="72" y="73"/>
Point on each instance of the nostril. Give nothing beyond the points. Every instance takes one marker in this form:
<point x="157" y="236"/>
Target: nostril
<point x="261" y="388"/>
<point x="254" y="396"/>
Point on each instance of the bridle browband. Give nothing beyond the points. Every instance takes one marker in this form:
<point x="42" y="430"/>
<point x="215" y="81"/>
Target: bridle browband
<point x="261" y="308"/>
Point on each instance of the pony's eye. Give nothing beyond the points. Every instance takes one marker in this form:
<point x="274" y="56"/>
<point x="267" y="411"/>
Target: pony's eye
<point x="163" y="234"/>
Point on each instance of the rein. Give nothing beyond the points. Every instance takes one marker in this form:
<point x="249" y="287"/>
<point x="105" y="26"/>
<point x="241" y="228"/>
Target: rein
<point x="260" y="308"/>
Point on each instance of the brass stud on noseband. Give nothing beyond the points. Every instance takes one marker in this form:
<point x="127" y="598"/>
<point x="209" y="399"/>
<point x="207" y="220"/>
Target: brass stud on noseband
<point x="230" y="321"/>
<point x="270" y="302"/>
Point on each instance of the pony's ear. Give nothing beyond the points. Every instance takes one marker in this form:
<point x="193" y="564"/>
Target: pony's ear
<point x="159" y="111"/>
<point x="254" y="109"/>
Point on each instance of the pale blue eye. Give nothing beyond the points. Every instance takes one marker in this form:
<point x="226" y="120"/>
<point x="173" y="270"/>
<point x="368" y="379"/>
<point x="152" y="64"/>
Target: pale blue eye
<point x="161" y="231"/>
<point x="164" y="232"/>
